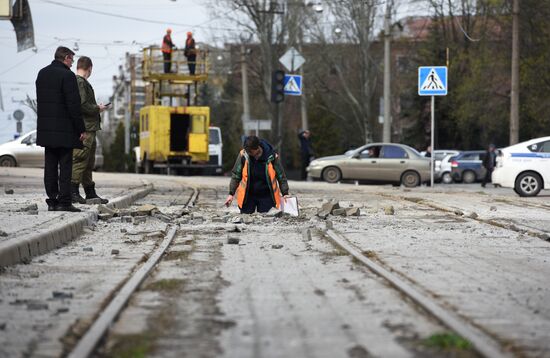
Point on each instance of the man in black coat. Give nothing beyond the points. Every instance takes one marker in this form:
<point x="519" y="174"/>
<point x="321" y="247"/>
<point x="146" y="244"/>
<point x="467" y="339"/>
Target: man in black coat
<point x="60" y="127"/>
<point x="489" y="163"/>
<point x="306" y="151"/>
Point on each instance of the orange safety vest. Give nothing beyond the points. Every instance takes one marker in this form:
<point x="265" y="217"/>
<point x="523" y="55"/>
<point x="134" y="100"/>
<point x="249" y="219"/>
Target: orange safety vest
<point x="166" y="41"/>
<point x="242" y="191"/>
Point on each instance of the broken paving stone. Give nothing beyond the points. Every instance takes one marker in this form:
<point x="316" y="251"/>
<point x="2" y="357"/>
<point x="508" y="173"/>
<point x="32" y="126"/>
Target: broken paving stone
<point x="94" y="201"/>
<point x="36" y="306"/>
<point x="389" y="210"/>
<point x="32" y="207"/>
<point x="339" y="212"/>
<point x="126" y="219"/>
<point x="140" y="220"/>
<point x="88" y="249"/>
<point x="473" y="215"/>
<point x="104" y="216"/>
<point x="459" y="212"/>
<point x="493" y="208"/>
<point x="60" y="295"/>
<point x="63" y="310"/>
<point x="237" y="220"/>
<point x="32" y="212"/>
<point x="163" y="217"/>
<point x="104" y="209"/>
<point x="323" y="214"/>
<point x="115" y="252"/>
<point x="277" y="246"/>
<point x="353" y="211"/>
<point x="146" y="209"/>
<point x="330" y="206"/>
<point x="233" y="240"/>
<point x="329" y="225"/>
<point x="8" y="191"/>
<point x="306" y="233"/>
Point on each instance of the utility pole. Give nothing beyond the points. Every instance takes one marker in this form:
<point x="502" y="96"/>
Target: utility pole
<point x="514" y="95"/>
<point x="387" y="62"/>
<point x="244" y="78"/>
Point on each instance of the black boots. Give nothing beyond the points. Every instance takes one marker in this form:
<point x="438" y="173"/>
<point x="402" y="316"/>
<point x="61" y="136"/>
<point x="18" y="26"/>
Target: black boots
<point x="75" y="194"/>
<point x="91" y="194"/>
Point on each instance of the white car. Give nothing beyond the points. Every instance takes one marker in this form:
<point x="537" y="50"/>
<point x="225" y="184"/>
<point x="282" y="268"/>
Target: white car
<point x="23" y="152"/>
<point x="524" y="167"/>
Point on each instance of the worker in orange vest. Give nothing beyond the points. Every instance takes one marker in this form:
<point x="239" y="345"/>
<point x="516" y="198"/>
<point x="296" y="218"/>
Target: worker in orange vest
<point x="167" y="46"/>
<point x="191" y="53"/>
<point x="258" y="179"/>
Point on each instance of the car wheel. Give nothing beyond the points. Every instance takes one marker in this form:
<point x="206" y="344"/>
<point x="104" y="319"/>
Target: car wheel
<point x="468" y="177"/>
<point x="7" y="161"/>
<point x="332" y="175"/>
<point x="447" y="178"/>
<point x="528" y="184"/>
<point x="410" y="179"/>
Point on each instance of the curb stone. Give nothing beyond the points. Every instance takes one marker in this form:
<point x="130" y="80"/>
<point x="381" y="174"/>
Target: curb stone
<point x="22" y="249"/>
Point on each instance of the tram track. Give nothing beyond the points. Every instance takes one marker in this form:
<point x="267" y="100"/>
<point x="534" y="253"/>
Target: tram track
<point x="92" y="338"/>
<point x="485" y="344"/>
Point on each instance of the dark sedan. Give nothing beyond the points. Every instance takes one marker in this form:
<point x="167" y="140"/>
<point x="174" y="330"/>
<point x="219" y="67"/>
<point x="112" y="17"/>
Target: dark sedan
<point x="466" y="166"/>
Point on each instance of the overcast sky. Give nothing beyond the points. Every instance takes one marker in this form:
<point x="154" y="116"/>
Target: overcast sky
<point x="104" y="38"/>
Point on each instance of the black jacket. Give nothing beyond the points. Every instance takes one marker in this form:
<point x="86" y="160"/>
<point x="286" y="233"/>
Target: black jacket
<point x="59" y="122"/>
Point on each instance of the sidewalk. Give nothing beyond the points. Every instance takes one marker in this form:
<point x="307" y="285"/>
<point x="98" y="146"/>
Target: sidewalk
<point x="28" y="229"/>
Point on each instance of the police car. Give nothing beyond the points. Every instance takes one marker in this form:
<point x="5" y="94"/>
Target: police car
<point x="524" y="167"/>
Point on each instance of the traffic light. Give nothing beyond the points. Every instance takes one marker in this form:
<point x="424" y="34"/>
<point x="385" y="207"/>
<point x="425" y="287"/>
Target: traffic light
<point x="277" y="86"/>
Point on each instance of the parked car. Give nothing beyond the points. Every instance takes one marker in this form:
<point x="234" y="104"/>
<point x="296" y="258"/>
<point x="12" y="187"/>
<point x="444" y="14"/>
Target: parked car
<point x="466" y="166"/>
<point x="439" y="171"/>
<point x="524" y="167"/>
<point x="23" y="152"/>
<point x="375" y="162"/>
<point x="445" y="168"/>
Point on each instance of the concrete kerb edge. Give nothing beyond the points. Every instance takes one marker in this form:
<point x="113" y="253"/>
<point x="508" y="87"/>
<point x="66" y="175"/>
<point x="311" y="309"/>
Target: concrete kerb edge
<point x="21" y="250"/>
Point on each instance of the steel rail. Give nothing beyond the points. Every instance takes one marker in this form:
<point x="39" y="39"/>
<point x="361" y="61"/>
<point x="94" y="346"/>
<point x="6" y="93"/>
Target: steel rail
<point x="481" y="341"/>
<point x="88" y="343"/>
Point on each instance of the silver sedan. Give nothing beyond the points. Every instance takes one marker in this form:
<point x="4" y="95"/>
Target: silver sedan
<point x="377" y="162"/>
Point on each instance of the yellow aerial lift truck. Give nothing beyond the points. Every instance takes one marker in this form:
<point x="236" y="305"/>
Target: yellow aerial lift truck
<point x="174" y="132"/>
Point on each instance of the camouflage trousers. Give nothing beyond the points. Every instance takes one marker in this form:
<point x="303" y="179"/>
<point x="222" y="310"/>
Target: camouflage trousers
<point x="84" y="161"/>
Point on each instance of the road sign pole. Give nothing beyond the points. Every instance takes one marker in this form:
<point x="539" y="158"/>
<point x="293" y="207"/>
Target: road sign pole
<point x="432" y="144"/>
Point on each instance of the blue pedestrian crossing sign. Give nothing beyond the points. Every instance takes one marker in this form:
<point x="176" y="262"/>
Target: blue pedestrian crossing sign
<point x="293" y="85"/>
<point x="432" y="81"/>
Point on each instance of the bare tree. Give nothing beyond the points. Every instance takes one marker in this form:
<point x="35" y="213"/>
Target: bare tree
<point x="347" y="55"/>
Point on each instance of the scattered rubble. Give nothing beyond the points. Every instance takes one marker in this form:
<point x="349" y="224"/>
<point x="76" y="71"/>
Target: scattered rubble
<point x="60" y="295"/>
<point x="473" y="215"/>
<point x="88" y="249"/>
<point x="493" y="208"/>
<point x="115" y="252"/>
<point x="277" y="246"/>
<point x="8" y="191"/>
<point x="233" y="240"/>
<point x="389" y="210"/>
<point x="3" y="233"/>
<point x="32" y="207"/>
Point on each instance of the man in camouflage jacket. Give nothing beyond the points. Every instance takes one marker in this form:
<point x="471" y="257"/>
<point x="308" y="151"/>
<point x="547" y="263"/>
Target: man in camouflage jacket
<point x="84" y="159"/>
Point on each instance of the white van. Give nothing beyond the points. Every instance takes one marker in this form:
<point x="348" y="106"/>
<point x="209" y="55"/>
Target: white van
<point x="215" y="146"/>
<point x="524" y="167"/>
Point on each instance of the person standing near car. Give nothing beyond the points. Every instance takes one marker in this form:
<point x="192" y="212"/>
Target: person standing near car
<point x="84" y="159"/>
<point x="60" y="127"/>
<point x="258" y="179"/>
<point x="489" y="163"/>
<point x="306" y="151"/>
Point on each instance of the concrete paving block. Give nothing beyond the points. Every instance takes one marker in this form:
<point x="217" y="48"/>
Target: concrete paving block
<point x="24" y="254"/>
<point x="339" y="212"/>
<point x="330" y="206"/>
<point x="353" y="211"/>
<point x="9" y="254"/>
